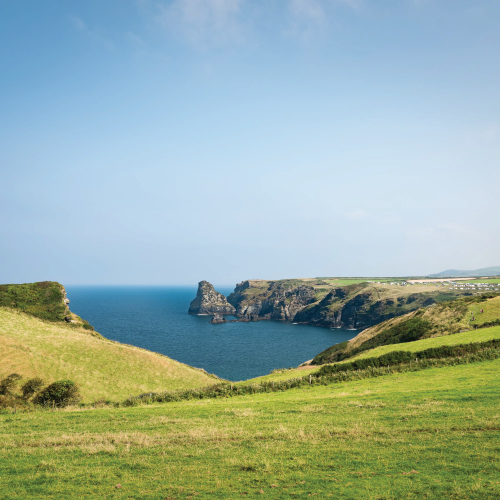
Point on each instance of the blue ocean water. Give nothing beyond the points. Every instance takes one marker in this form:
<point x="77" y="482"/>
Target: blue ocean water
<point x="156" y="318"/>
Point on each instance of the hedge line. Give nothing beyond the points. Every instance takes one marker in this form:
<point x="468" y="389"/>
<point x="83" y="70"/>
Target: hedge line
<point x="345" y="372"/>
<point x="396" y="357"/>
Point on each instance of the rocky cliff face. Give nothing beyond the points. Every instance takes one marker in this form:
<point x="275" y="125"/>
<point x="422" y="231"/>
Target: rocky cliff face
<point x="314" y="301"/>
<point x="359" y="307"/>
<point x="277" y="301"/>
<point x="209" y="301"/>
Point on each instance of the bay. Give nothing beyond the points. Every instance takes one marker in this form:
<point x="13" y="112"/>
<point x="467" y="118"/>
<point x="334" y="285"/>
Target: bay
<point x="156" y="318"/>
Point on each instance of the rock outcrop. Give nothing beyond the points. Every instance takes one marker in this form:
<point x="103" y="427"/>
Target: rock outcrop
<point x="218" y="319"/>
<point x="279" y="302"/>
<point x="209" y="301"/>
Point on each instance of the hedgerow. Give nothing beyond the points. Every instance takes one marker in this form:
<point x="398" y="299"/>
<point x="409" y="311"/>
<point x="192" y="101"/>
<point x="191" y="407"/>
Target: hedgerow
<point x="394" y="362"/>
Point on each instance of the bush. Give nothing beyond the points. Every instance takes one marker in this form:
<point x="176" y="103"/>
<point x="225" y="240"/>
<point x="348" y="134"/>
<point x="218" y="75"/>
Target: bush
<point x="32" y="386"/>
<point x="8" y="384"/>
<point x="61" y="393"/>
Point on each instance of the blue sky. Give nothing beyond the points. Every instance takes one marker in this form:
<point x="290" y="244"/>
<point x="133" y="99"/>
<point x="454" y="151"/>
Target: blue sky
<point x="169" y="141"/>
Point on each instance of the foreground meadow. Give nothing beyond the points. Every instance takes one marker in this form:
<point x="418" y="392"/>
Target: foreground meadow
<point x="428" y="434"/>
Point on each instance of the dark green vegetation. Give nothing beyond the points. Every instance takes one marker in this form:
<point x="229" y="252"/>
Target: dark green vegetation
<point x="45" y="300"/>
<point x="32" y="393"/>
<point x="427" y="434"/>
<point x="441" y="319"/>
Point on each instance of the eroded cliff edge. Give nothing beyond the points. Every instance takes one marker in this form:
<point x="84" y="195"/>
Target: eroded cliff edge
<point x="319" y="302"/>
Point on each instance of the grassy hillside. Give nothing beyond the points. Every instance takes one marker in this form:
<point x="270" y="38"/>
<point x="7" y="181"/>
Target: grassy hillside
<point x="480" y="335"/>
<point x="102" y="368"/>
<point x="430" y="434"/>
<point x="447" y="318"/>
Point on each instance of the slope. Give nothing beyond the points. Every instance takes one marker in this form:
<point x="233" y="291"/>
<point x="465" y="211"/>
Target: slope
<point x="447" y="318"/>
<point x="102" y="368"/>
<point x="430" y="434"/>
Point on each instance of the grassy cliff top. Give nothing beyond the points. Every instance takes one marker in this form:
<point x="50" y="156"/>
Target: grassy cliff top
<point x="102" y="368"/>
<point x="45" y="300"/>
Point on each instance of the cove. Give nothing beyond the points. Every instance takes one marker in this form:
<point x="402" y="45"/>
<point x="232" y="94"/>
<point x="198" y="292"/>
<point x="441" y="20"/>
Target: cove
<point x="156" y="318"/>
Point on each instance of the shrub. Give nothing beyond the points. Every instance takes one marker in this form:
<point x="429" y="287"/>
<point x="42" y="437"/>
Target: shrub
<point x="61" y="393"/>
<point x="32" y="386"/>
<point x="8" y="384"/>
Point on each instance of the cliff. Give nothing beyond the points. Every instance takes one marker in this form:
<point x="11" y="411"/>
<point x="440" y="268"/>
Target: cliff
<point x="319" y="303"/>
<point x="360" y="306"/>
<point x="45" y="300"/>
<point x="257" y="300"/>
<point x="324" y="302"/>
<point x="209" y="301"/>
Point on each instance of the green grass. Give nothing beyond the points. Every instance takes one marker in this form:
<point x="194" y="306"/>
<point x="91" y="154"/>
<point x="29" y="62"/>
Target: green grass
<point x="492" y="281"/>
<point x="345" y="282"/>
<point x="480" y="335"/>
<point x="430" y="434"/>
<point x="284" y="375"/>
<point x="491" y="312"/>
<point x="102" y="368"/>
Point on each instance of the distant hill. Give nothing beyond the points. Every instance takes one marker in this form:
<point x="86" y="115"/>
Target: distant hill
<point x="454" y="273"/>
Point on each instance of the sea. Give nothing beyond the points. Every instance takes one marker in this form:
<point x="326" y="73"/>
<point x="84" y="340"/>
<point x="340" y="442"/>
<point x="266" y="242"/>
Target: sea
<point x="156" y="318"/>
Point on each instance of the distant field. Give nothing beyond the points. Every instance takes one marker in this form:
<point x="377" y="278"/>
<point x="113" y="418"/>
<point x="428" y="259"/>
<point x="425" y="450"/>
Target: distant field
<point x="494" y="281"/>
<point x="102" y="369"/>
<point x="491" y="311"/>
<point x="353" y="281"/>
<point x="345" y="282"/>
<point x="431" y="434"/>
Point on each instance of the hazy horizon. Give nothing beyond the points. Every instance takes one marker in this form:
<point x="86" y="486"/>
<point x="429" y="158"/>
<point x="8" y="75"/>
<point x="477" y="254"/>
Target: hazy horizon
<point x="172" y="141"/>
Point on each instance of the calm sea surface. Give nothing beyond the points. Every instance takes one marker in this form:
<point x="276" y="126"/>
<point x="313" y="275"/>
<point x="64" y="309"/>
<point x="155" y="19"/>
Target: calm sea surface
<point x="156" y="318"/>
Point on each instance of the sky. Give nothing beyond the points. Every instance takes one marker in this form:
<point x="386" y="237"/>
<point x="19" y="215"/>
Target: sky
<point x="172" y="141"/>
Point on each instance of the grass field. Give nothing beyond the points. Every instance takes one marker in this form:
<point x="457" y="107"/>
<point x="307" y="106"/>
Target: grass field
<point x="491" y="312"/>
<point x="480" y="335"/>
<point x="431" y="434"/>
<point x="102" y="368"/>
<point x="493" y="281"/>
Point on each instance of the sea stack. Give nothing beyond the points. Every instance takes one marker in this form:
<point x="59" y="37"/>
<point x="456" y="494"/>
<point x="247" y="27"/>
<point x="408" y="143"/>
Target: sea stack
<point x="209" y="301"/>
<point x="218" y="319"/>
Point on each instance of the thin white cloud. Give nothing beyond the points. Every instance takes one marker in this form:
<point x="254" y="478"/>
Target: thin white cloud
<point x="307" y="19"/>
<point x="94" y="34"/>
<point x="310" y="18"/>
<point x="203" y="21"/>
